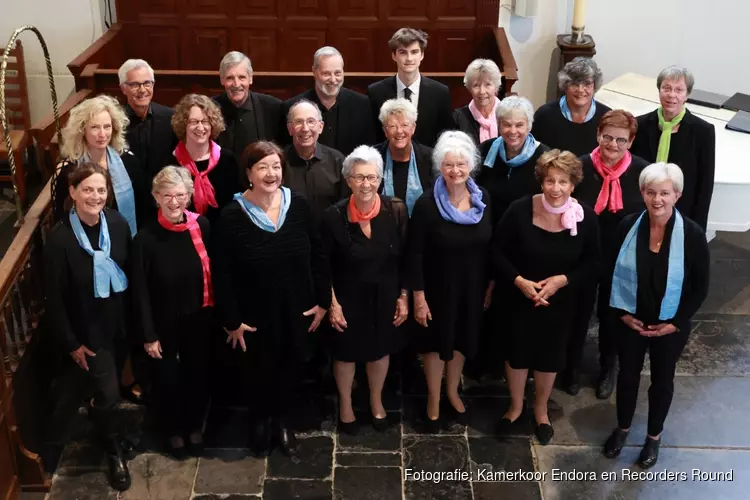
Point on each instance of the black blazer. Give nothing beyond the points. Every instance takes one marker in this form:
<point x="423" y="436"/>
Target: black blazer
<point x="697" y="160"/>
<point x="423" y="157"/>
<point x="353" y="128"/>
<point x="434" y="109"/>
<point x="465" y="122"/>
<point x="161" y="143"/>
<point x="267" y="115"/>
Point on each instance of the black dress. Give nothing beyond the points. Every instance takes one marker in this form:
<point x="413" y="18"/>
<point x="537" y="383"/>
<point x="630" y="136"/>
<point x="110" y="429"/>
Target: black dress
<point x="367" y="279"/>
<point x="449" y="262"/>
<point x="167" y="282"/>
<point x="557" y="132"/>
<point x="538" y="335"/>
<point x="267" y="280"/>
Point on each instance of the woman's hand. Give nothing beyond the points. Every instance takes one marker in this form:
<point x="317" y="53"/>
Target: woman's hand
<point x="659" y="330"/>
<point x="79" y="356"/>
<point x="421" y="309"/>
<point x="633" y="323"/>
<point x="488" y="295"/>
<point x="336" y="317"/>
<point x="402" y="310"/>
<point x="527" y="287"/>
<point x="238" y="335"/>
<point x="550" y="286"/>
<point x="319" y="313"/>
<point x="153" y="349"/>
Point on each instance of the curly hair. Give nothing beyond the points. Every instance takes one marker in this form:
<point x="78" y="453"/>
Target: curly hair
<point x="562" y="160"/>
<point x="209" y="108"/>
<point x="74" y="135"/>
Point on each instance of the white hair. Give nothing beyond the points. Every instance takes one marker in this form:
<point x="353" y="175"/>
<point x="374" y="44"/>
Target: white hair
<point x="129" y="66"/>
<point x="660" y="172"/>
<point x="362" y="154"/>
<point x="579" y="70"/>
<point x="326" y="51"/>
<point x="457" y="142"/>
<point x="172" y="176"/>
<point x="232" y="59"/>
<point x="483" y="68"/>
<point x="675" y="73"/>
<point x="514" y="104"/>
<point x="300" y="102"/>
<point x="400" y="106"/>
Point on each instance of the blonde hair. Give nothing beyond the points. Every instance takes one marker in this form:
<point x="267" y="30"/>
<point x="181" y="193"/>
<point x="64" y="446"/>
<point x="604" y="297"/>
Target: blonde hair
<point x="74" y="135"/>
<point x="172" y="176"/>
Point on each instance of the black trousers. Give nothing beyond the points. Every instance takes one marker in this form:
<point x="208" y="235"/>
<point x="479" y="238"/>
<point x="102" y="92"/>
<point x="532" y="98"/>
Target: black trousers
<point x="664" y="352"/>
<point x="103" y="375"/>
<point x="181" y="376"/>
<point x="588" y="296"/>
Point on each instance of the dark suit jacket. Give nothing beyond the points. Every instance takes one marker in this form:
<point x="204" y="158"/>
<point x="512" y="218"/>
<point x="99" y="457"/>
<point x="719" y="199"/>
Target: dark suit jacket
<point x="267" y="111"/>
<point x="423" y="156"/>
<point x="695" y="154"/>
<point x="161" y="142"/>
<point x="353" y="127"/>
<point x="465" y="122"/>
<point x="434" y="109"/>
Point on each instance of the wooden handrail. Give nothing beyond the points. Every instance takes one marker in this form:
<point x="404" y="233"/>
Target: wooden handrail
<point x="102" y="43"/>
<point x="510" y="68"/>
<point x="44" y="130"/>
<point x="92" y="69"/>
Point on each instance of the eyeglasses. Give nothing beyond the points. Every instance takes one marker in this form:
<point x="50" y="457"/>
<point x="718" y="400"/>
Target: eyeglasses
<point x="668" y="89"/>
<point x="195" y="123"/>
<point x="148" y="85"/>
<point x="455" y="166"/>
<point x="621" y="141"/>
<point x="399" y="126"/>
<point x="299" y="123"/>
<point x="586" y="84"/>
<point x="179" y="197"/>
<point x="359" y="178"/>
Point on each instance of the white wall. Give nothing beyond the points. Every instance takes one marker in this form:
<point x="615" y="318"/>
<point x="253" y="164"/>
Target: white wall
<point x="709" y="37"/>
<point x="68" y="27"/>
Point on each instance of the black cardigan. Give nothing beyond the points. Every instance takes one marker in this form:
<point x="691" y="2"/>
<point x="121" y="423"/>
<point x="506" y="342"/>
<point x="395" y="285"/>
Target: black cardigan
<point x="466" y="123"/>
<point x="695" y="283"/>
<point x="553" y="129"/>
<point x="695" y="154"/>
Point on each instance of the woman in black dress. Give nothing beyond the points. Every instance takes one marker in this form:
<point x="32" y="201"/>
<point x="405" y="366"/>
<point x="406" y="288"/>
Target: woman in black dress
<point x="478" y="119"/>
<point x="85" y="283"/>
<point x="660" y="279"/>
<point x="610" y="187"/>
<point x="197" y="122"/>
<point x="173" y="299"/>
<point x="364" y="240"/>
<point x="449" y="235"/>
<point x="547" y="245"/>
<point x="273" y="288"/>
<point x="673" y="134"/>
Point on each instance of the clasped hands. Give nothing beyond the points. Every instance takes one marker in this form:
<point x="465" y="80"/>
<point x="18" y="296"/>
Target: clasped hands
<point x="238" y="335"/>
<point x="658" y="330"/>
<point x="539" y="292"/>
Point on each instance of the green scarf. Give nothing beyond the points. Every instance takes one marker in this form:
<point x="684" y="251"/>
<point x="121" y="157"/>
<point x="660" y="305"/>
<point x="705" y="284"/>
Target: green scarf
<point x="662" y="154"/>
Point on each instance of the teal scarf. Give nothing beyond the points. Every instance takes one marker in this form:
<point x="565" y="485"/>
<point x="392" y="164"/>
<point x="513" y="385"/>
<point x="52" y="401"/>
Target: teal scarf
<point x="413" y="185"/>
<point x="259" y="217"/>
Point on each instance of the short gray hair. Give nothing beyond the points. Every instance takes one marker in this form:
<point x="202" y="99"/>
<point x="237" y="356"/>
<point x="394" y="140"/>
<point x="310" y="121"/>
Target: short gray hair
<point x="172" y="176"/>
<point x="457" y="142"/>
<point x="400" y="106"/>
<point x="483" y="67"/>
<point x="232" y="59"/>
<point x="660" y="172"/>
<point x="362" y="154"/>
<point x="304" y="101"/>
<point x="515" y="104"/>
<point x="675" y="73"/>
<point x="326" y="51"/>
<point x="578" y="70"/>
<point x="129" y="66"/>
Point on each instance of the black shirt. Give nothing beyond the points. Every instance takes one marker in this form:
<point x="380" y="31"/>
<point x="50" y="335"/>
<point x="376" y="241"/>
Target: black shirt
<point x="139" y="133"/>
<point x="552" y="129"/>
<point x="400" y="179"/>
<point x="319" y="179"/>
<point x="331" y="122"/>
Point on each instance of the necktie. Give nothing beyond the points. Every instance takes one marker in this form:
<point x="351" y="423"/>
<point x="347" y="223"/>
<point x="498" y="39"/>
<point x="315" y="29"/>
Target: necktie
<point x="407" y="94"/>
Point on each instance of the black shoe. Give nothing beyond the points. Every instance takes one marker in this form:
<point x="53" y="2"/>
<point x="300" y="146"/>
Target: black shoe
<point x="432" y="426"/>
<point x="348" y="428"/>
<point x="380" y="424"/>
<point x="196" y="449"/>
<point x="128" y="448"/>
<point x="119" y="475"/>
<point x="606" y="383"/>
<point x="615" y="442"/>
<point x="544" y="433"/>
<point x="461" y="418"/>
<point x="287" y="441"/>
<point x="650" y="453"/>
<point x="572" y="382"/>
<point x="177" y="452"/>
<point x="260" y="438"/>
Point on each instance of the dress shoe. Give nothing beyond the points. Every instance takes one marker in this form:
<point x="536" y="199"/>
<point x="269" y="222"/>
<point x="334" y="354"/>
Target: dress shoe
<point x="260" y="438"/>
<point x="650" y="453"/>
<point x="119" y="475"/>
<point x="615" y="442"/>
<point x="572" y="382"/>
<point x="177" y="452"/>
<point x="461" y="418"/>
<point x="287" y="441"/>
<point x="128" y="448"/>
<point x="544" y="433"/>
<point x="348" y="428"/>
<point x="432" y="426"/>
<point x="380" y="424"/>
<point x="606" y="383"/>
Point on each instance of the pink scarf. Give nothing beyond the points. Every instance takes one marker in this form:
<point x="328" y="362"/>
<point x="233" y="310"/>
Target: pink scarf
<point x="487" y="126"/>
<point x="204" y="195"/>
<point x="191" y="225"/>
<point x="572" y="214"/>
<point x="610" y="195"/>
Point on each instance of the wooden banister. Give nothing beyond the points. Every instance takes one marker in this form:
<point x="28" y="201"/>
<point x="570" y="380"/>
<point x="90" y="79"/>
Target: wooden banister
<point x="509" y="67"/>
<point x="97" y="51"/>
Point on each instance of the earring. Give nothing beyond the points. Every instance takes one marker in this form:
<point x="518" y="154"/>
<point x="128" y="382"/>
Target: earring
<point x="250" y="185"/>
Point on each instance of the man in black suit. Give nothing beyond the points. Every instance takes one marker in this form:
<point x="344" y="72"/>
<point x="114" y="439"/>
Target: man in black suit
<point x="432" y="99"/>
<point x="343" y="110"/>
<point x="249" y="116"/>
<point x="149" y="132"/>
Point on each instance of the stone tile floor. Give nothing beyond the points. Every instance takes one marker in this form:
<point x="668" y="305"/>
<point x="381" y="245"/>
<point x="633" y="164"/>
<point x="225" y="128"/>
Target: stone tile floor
<point x="706" y="431"/>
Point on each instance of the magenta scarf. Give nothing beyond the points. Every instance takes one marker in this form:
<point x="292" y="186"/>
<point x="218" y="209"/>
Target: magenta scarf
<point x="487" y="126"/>
<point x="204" y="195"/>
<point x="571" y="213"/>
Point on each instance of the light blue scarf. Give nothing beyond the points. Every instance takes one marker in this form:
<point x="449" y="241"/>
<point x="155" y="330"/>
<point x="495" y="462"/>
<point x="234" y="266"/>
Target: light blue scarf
<point x="106" y="270"/>
<point x="122" y="186"/>
<point x="451" y="213"/>
<point x="566" y="110"/>
<point x="259" y="217"/>
<point x="625" y="279"/>
<point x="498" y="149"/>
<point x="413" y="184"/>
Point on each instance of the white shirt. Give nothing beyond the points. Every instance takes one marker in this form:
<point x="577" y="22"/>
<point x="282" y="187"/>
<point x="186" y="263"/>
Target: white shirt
<point x="414" y="87"/>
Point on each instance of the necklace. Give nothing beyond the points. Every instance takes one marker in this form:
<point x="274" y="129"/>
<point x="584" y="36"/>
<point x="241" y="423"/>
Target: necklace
<point x="458" y="201"/>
